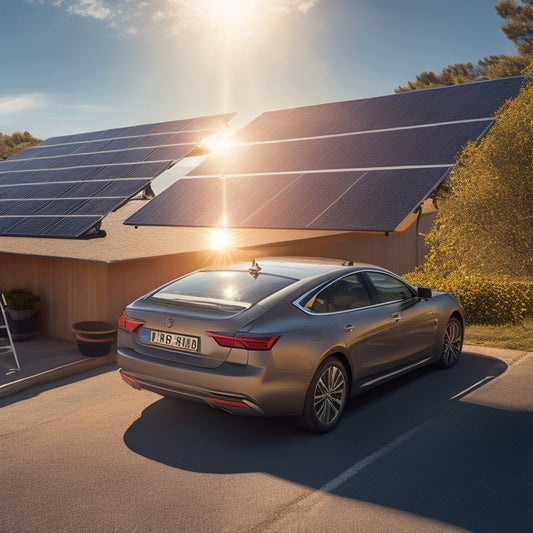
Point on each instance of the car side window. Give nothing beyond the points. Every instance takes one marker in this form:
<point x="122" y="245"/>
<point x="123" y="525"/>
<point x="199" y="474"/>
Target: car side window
<point x="344" y="294"/>
<point x="389" y="288"/>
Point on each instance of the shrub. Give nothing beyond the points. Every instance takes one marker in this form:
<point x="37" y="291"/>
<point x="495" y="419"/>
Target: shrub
<point x="485" y="301"/>
<point x="20" y="299"/>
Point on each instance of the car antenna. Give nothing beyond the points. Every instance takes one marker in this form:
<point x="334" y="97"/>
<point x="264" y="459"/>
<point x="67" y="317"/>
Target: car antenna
<point x="255" y="269"/>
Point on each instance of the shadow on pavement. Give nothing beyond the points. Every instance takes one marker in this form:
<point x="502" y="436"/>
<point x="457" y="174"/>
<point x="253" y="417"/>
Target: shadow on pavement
<point x="201" y="439"/>
<point x="439" y="472"/>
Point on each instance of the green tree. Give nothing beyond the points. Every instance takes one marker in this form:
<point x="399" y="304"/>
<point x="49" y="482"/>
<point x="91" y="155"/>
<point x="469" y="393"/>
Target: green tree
<point x="518" y="25"/>
<point x="491" y="67"/>
<point x="502" y="66"/>
<point x="484" y="223"/>
<point x="18" y="141"/>
<point x="450" y="75"/>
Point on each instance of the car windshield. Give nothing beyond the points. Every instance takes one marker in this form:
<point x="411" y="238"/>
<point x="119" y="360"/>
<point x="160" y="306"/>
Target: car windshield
<point x="234" y="289"/>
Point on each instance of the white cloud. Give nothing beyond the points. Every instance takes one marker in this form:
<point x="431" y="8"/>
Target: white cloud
<point x="97" y="9"/>
<point x="304" y="7"/>
<point x="89" y="107"/>
<point x="91" y="8"/>
<point x="175" y="15"/>
<point x="20" y="102"/>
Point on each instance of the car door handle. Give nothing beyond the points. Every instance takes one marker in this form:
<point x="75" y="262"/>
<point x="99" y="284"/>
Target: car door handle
<point x="395" y="317"/>
<point x="349" y="327"/>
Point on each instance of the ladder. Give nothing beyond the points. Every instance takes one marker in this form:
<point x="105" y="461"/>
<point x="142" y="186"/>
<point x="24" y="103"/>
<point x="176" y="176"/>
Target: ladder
<point x="6" y="348"/>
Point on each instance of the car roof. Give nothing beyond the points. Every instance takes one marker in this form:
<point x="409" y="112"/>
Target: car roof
<point x="295" y="267"/>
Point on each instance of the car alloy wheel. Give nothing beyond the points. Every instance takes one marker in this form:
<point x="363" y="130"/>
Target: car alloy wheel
<point x="452" y="345"/>
<point x="326" y="397"/>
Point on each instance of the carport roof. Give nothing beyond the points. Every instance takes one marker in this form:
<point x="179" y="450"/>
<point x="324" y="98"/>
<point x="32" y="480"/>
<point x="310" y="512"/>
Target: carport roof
<point x="126" y="243"/>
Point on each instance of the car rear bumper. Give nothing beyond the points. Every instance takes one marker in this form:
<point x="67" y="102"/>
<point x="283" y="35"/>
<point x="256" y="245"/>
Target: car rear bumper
<point x="237" y="389"/>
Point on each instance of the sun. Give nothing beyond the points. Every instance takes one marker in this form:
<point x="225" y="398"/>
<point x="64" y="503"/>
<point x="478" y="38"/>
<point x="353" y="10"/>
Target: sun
<point x="232" y="14"/>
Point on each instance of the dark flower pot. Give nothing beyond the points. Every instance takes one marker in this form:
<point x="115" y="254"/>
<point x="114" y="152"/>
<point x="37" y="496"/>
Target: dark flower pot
<point x="94" y="338"/>
<point x="23" y="324"/>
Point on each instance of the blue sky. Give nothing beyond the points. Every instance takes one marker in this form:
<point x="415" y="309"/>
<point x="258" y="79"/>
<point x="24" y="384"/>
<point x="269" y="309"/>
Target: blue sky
<point x="71" y="66"/>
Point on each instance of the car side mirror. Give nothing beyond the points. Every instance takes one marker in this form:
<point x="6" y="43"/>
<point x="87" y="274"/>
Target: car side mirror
<point x="425" y="293"/>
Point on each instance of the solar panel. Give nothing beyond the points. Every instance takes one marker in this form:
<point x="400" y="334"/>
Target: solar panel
<point x="33" y="225"/>
<point x="51" y="190"/>
<point x="22" y="207"/>
<point x="59" y="207"/>
<point x="362" y="165"/>
<point x="62" y="226"/>
<point x="65" y="186"/>
<point x="468" y="101"/>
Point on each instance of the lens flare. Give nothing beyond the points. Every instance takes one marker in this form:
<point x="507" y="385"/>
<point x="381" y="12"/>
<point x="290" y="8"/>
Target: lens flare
<point x="219" y="239"/>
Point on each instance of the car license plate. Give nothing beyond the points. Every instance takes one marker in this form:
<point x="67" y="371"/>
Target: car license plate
<point x="173" y="340"/>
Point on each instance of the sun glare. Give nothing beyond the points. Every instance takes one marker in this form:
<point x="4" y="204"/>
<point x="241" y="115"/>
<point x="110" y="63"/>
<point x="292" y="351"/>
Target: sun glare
<point x="219" y="239"/>
<point x="217" y="142"/>
<point x="232" y="14"/>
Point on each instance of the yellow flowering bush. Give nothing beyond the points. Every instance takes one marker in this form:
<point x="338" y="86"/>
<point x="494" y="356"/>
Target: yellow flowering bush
<point x="485" y="301"/>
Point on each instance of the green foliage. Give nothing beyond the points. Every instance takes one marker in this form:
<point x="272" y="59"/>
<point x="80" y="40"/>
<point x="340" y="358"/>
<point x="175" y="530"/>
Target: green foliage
<point x="20" y="299"/>
<point x="485" y="301"/>
<point x="518" y="26"/>
<point x="484" y="223"/>
<point x="502" y="66"/>
<point x="12" y="144"/>
<point x="491" y="67"/>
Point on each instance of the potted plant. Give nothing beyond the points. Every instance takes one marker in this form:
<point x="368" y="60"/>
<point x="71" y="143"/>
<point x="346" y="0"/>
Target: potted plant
<point x="94" y="338"/>
<point x="22" y="313"/>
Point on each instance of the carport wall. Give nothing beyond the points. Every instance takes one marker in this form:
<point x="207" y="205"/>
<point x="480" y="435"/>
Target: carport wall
<point x="73" y="290"/>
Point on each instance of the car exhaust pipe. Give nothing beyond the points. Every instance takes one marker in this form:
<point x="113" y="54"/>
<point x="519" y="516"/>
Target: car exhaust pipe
<point x="224" y="410"/>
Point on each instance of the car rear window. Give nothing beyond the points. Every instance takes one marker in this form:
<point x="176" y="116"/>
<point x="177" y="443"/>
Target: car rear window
<point x="224" y="288"/>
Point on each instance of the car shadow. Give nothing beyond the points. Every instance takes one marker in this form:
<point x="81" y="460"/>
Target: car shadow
<point x="199" y="439"/>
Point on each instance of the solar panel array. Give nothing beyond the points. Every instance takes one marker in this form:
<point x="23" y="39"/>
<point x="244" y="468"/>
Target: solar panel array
<point x="357" y="165"/>
<point x="66" y="185"/>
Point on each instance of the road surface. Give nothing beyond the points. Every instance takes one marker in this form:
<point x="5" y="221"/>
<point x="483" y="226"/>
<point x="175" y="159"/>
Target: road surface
<point x="434" y="451"/>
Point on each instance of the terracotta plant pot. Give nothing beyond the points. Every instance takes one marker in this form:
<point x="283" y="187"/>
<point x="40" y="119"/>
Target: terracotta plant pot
<point x="94" y="338"/>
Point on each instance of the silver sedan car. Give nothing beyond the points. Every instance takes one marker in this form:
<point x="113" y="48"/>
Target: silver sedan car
<point x="285" y="336"/>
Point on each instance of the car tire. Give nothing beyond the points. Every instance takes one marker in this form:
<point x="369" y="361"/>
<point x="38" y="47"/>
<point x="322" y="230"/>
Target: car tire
<point x="452" y="344"/>
<point x="326" y="397"/>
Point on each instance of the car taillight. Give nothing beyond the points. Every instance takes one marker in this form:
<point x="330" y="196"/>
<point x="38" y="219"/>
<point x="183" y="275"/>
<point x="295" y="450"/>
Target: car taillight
<point x="129" y="324"/>
<point x="249" y="343"/>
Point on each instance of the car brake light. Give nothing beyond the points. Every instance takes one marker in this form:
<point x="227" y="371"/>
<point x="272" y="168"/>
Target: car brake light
<point x="129" y="324"/>
<point x="249" y="343"/>
<point x="130" y="381"/>
<point x="226" y="403"/>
